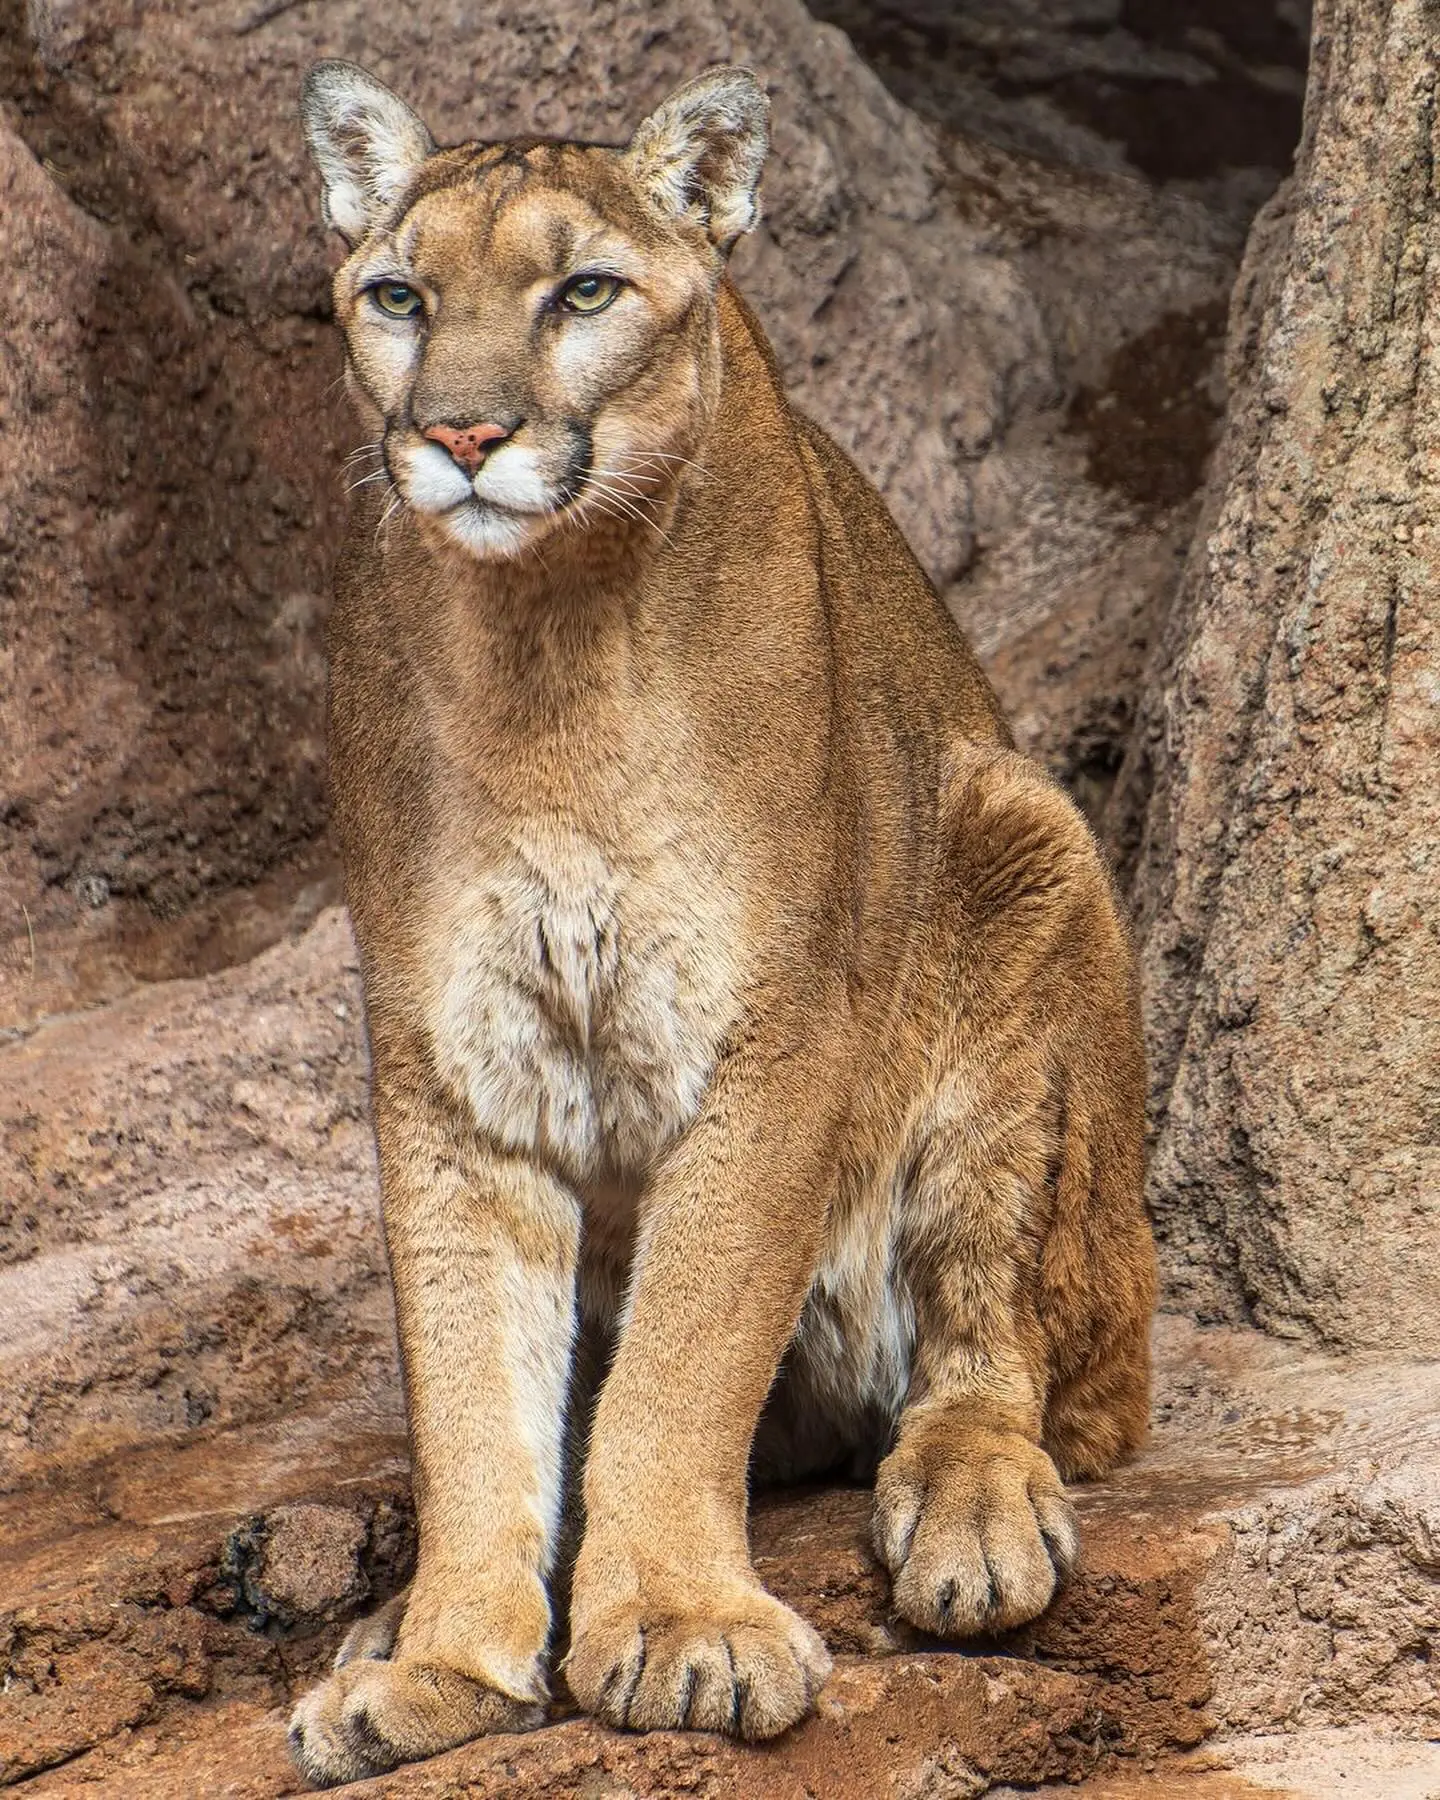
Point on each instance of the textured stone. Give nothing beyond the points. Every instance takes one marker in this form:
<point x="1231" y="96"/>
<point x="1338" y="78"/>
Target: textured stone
<point x="1202" y="94"/>
<point x="1301" y="1765"/>
<point x="299" y="1562"/>
<point x="1280" y="786"/>
<point x="188" y="1229"/>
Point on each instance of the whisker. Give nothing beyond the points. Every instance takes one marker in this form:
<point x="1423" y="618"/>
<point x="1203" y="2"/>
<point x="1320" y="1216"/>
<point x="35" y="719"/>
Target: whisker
<point x="625" y="504"/>
<point x="660" y="456"/>
<point x="595" y="503"/>
<point x="392" y="506"/>
<point x="594" y="478"/>
<point x="630" y="482"/>
<point x="628" y="506"/>
<point x="637" y="471"/>
<point x="608" y="477"/>
<point x="624" y="501"/>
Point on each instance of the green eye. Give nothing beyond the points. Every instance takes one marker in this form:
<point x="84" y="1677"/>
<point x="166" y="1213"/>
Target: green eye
<point x="396" y="300"/>
<point x="589" y="293"/>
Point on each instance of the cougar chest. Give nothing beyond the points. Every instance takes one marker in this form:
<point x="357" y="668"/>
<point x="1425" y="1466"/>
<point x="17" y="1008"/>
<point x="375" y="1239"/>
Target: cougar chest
<point x="579" y="993"/>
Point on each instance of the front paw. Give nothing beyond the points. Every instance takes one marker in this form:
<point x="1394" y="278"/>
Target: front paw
<point x="741" y="1663"/>
<point x="975" y="1530"/>
<point x="372" y="1713"/>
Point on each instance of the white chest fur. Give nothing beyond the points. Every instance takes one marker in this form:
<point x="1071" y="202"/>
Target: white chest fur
<point x="579" y="997"/>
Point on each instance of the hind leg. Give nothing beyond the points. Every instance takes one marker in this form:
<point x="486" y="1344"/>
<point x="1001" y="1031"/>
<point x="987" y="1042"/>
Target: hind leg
<point x="1025" y="1245"/>
<point x="970" y="1515"/>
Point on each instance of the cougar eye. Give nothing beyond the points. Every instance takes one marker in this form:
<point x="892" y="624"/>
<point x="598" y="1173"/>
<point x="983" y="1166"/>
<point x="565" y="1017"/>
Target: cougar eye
<point x="396" y="300"/>
<point x="589" y="293"/>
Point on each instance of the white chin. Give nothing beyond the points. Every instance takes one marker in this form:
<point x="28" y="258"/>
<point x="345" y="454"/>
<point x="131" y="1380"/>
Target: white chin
<point x="484" y="532"/>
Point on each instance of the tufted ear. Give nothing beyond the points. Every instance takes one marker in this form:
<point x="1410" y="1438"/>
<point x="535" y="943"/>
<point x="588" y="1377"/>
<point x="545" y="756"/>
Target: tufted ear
<point x="366" y="142"/>
<point x="699" y="155"/>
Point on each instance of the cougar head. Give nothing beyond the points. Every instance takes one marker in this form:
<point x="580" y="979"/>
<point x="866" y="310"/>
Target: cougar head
<point x="531" y="326"/>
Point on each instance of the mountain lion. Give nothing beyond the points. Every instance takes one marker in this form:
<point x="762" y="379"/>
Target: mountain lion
<point x="757" y="1074"/>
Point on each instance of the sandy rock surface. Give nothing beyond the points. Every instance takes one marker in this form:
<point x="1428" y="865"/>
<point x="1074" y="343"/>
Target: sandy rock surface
<point x="166" y="1605"/>
<point x="188" y="1207"/>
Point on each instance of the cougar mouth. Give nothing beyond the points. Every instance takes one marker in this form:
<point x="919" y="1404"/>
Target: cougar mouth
<point x="506" y="503"/>
<point x="516" y="483"/>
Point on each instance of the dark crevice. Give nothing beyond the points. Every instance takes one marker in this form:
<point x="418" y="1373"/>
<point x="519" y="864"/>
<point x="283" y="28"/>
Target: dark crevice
<point x="1183" y="90"/>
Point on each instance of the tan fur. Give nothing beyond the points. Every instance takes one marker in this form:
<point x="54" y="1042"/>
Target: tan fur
<point x="737" y="996"/>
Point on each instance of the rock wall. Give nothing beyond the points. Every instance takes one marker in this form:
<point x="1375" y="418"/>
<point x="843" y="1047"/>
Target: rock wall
<point x="1279" y="795"/>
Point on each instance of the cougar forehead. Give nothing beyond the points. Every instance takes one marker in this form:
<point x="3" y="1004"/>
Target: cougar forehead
<point x="489" y="238"/>
<point x="523" y="212"/>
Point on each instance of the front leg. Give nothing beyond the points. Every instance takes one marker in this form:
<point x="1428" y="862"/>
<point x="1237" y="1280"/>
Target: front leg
<point x="669" y="1626"/>
<point x="483" y="1249"/>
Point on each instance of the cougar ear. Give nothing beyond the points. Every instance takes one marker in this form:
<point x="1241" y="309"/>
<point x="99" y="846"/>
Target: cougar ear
<point x="366" y="142"/>
<point x="699" y="154"/>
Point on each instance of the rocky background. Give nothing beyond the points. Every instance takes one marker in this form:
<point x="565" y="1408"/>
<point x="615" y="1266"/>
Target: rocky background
<point x="1171" y="460"/>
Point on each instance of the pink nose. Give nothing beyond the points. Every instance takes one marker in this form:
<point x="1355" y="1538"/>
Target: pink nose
<point x="470" y="444"/>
